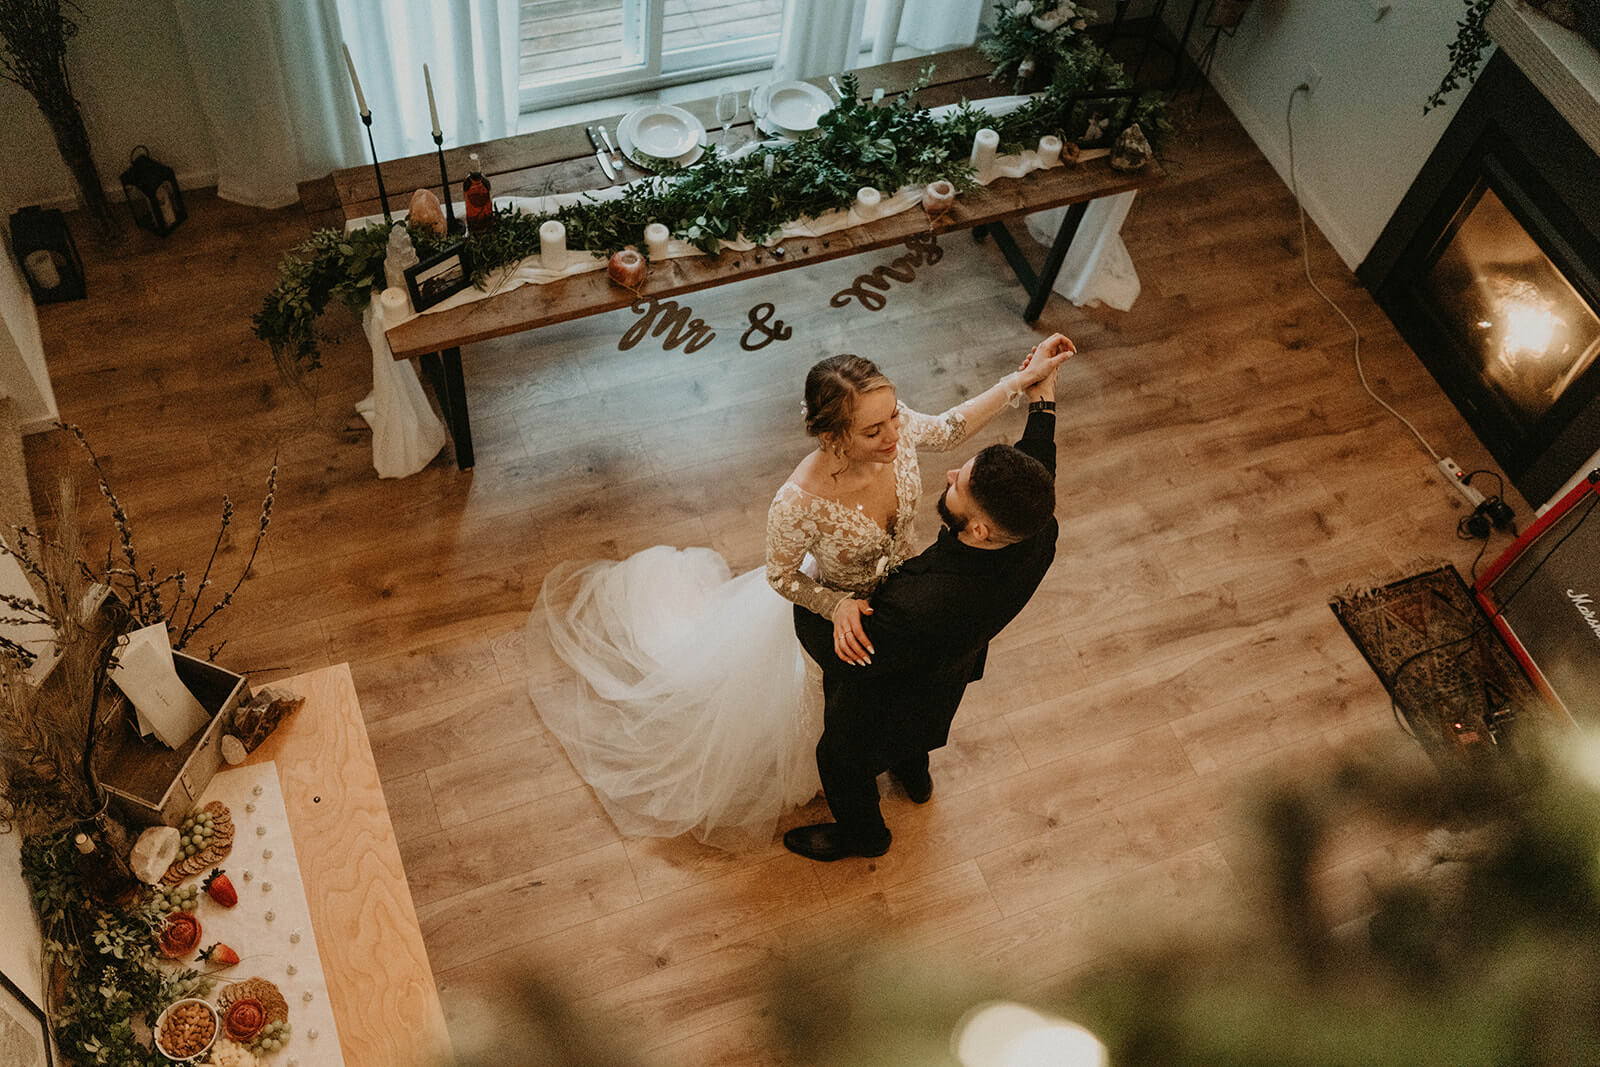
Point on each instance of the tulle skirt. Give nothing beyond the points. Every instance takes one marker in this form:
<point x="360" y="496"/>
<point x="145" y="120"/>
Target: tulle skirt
<point x="680" y="693"/>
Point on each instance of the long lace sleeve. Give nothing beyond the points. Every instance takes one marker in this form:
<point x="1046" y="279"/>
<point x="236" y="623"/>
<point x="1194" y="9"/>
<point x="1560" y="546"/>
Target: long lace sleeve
<point x="937" y="433"/>
<point x="793" y="529"/>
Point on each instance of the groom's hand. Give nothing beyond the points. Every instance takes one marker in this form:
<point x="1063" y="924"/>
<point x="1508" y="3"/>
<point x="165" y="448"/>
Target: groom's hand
<point x="849" y="637"/>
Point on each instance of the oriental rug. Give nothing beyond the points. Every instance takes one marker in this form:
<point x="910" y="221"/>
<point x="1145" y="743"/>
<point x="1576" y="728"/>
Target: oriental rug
<point x="1443" y="664"/>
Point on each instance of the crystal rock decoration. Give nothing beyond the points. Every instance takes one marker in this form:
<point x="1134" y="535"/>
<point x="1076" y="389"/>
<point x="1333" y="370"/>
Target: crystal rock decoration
<point x="1131" y="151"/>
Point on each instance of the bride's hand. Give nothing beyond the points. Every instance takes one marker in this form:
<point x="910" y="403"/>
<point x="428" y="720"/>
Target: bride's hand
<point x="849" y="638"/>
<point x="1044" y="358"/>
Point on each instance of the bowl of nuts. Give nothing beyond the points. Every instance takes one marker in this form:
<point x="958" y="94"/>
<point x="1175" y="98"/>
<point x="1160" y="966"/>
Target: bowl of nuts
<point x="185" y="1031"/>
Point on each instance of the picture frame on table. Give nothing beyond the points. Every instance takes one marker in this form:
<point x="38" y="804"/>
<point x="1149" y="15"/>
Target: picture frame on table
<point x="24" y="1031"/>
<point x="1094" y="120"/>
<point x="440" y="276"/>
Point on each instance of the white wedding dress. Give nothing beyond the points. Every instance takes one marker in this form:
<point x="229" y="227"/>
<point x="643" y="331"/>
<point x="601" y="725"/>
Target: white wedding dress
<point x="680" y="692"/>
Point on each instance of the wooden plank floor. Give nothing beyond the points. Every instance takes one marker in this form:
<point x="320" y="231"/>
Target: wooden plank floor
<point x="1222" y="473"/>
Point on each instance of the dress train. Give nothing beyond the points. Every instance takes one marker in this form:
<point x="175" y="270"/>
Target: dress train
<point x="680" y="693"/>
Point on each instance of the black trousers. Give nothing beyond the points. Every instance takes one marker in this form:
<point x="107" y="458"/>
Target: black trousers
<point x="849" y="774"/>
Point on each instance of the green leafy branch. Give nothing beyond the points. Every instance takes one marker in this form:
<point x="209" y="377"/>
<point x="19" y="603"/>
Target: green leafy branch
<point x="1471" y="40"/>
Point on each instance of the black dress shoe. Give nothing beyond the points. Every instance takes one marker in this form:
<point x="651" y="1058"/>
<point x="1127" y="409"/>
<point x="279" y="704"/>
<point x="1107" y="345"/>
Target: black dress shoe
<point x="825" y="842"/>
<point x="918" y="784"/>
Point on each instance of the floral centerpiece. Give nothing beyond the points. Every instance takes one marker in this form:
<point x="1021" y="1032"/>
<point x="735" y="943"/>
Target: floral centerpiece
<point x="1029" y="36"/>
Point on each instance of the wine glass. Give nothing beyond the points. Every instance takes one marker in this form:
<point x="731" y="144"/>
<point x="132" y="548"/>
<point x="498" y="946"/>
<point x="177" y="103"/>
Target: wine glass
<point x="727" y="109"/>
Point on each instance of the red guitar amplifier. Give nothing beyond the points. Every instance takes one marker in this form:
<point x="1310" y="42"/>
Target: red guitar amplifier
<point x="1543" y="595"/>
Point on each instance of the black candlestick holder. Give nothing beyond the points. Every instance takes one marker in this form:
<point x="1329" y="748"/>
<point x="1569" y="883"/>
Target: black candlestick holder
<point x="451" y="225"/>
<point x="383" y="194"/>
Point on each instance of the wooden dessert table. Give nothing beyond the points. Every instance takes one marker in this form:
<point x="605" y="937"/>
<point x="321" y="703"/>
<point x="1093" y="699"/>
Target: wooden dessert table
<point x="561" y="159"/>
<point x="380" y="987"/>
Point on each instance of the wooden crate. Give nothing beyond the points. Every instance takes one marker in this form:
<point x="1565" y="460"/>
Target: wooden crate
<point x="150" y="783"/>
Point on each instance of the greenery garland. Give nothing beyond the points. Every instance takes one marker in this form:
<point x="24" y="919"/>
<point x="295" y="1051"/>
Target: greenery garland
<point x="1471" y="39"/>
<point x="885" y="146"/>
<point x="108" y="959"/>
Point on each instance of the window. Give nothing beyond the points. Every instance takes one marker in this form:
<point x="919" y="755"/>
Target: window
<point x="574" y="50"/>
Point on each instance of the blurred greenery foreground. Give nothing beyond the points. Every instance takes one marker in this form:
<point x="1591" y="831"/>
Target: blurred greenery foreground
<point x="1478" y="942"/>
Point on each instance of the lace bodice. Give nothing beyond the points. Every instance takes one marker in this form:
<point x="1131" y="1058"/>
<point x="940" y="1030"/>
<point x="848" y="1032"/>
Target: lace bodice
<point x="852" y="552"/>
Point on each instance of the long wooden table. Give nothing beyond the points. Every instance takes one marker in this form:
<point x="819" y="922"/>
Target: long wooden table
<point x="531" y="164"/>
<point x="380" y="987"/>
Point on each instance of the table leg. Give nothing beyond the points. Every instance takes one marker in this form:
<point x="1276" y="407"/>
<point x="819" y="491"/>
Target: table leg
<point x="1054" y="258"/>
<point x="1038" y="285"/>
<point x="444" y="374"/>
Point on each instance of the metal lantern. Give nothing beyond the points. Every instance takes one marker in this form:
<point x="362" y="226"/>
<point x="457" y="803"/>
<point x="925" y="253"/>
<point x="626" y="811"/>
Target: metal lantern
<point x="43" y="245"/>
<point x="153" y="194"/>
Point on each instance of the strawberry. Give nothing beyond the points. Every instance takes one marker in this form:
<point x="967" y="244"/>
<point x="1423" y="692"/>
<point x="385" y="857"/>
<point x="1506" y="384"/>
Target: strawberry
<point x="219" y="954"/>
<point x="220" y="886"/>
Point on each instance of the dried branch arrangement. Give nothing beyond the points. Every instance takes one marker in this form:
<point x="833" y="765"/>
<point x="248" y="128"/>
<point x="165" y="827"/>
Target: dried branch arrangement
<point x="49" y="731"/>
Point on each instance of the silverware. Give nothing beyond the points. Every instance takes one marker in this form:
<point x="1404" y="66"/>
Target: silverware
<point x="600" y="155"/>
<point x="616" y="153"/>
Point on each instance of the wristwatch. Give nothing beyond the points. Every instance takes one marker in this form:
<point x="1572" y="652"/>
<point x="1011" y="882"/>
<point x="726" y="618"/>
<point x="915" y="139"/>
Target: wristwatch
<point x="1041" y="405"/>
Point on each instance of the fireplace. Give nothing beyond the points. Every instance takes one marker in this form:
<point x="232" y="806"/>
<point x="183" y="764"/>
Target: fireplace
<point x="1490" y="269"/>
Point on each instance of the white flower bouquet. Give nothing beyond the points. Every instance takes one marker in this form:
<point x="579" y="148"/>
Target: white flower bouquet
<point x="1028" y="35"/>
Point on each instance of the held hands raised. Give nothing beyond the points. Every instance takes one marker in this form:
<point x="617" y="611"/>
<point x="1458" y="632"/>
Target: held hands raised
<point x="1037" y="376"/>
<point x="849" y="637"/>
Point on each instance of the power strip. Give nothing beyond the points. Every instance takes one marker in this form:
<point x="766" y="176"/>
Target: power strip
<point x="1458" y="478"/>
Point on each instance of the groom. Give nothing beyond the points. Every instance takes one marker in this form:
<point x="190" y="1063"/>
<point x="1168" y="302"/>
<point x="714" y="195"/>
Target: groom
<point x="930" y="627"/>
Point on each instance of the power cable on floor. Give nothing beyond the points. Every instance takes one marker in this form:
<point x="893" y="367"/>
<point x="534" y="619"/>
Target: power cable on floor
<point x="1305" y="256"/>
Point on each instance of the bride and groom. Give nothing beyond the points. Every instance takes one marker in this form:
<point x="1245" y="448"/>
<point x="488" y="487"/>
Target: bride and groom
<point x="685" y="699"/>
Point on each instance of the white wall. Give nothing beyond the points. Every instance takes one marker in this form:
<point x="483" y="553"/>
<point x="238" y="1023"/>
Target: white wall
<point x="131" y="76"/>
<point x="20" y="939"/>
<point x="1360" y="137"/>
<point x="23" y="376"/>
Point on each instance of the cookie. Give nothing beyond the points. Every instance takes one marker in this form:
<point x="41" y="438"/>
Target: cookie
<point x="215" y="851"/>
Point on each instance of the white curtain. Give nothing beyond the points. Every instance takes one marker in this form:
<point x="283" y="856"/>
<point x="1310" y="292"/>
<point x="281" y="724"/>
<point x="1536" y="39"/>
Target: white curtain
<point x="278" y="99"/>
<point x="268" y="82"/>
<point x="935" y="25"/>
<point x="471" y="49"/>
<point x="819" y="37"/>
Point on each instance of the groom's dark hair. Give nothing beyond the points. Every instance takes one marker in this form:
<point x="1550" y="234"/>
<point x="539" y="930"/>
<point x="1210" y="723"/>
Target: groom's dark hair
<point x="1015" y="490"/>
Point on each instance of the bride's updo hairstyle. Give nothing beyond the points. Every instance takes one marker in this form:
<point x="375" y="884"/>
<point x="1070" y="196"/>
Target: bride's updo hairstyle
<point x="832" y="387"/>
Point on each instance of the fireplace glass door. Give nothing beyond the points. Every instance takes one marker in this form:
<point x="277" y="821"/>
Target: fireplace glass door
<point x="1526" y="332"/>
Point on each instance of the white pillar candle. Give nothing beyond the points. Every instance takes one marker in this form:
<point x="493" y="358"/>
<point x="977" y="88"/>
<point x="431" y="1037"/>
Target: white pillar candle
<point x="361" y="100"/>
<point x="768" y="163"/>
<point x="553" y="245"/>
<point x="877" y="95"/>
<point x="396" y="304"/>
<point x="868" y="201"/>
<point x="1049" y="150"/>
<point x="984" y="146"/>
<point x="42" y="269"/>
<point x="655" y="240"/>
<point x="433" y="109"/>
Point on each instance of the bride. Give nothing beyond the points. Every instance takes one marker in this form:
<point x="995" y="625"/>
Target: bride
<point x="678" y="731"/>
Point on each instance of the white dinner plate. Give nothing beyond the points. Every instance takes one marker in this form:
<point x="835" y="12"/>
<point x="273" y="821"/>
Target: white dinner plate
<point x="662" y="131"/>
<point x="646" y="162"/>
<point x="791" y="108"/>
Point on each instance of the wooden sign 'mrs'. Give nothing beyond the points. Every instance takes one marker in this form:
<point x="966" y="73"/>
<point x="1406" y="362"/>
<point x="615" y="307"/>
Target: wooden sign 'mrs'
<point x="920" y="250"/>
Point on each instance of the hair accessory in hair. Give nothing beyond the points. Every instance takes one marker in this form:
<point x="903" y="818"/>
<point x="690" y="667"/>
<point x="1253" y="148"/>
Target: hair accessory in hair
<point x="802" y="409"/>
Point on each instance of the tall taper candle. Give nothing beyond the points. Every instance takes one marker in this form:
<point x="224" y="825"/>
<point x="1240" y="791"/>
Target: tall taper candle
<point x="433" y="110"/>
<point x="361" y="100"/>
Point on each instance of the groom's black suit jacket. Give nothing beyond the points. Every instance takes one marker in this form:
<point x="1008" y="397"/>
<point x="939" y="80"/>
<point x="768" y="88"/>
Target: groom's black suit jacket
<point x="931" y="625"/>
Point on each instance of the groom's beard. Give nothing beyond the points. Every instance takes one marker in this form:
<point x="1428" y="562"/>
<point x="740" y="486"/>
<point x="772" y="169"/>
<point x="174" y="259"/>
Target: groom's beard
<point x="954" y="524"/>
